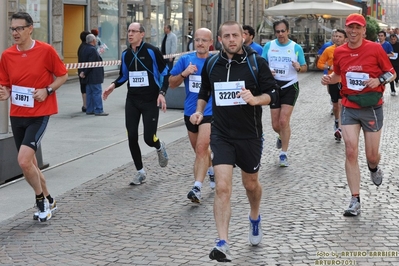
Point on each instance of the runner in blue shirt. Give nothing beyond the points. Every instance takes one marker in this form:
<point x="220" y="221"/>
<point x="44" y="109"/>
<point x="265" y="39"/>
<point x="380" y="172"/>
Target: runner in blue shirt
<point x="188" y="69"/>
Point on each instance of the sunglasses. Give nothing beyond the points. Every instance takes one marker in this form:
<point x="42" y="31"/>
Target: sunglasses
<point x="278" y="31"/>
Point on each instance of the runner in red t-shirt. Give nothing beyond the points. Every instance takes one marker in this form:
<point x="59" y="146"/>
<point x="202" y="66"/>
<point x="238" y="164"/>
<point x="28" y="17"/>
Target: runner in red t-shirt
<point x="27" y="71"/>
<point x="363" y="69"/>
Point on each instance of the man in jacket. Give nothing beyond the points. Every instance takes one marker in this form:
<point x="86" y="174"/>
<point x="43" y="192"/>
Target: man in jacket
<point x="93" y="78"/>
<point x="143" y="68"/>
<point x="236" y="131"/>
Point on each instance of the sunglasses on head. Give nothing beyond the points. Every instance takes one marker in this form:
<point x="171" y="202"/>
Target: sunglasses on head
<point x="278" y="31"/>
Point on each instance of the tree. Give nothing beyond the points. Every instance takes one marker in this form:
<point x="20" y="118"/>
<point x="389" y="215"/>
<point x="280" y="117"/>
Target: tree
<point x="372" y="28"/>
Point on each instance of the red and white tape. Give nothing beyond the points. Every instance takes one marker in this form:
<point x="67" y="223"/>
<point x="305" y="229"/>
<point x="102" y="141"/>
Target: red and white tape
<point x="117" y="62"/>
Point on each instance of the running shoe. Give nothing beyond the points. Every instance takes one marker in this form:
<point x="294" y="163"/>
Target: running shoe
<point x="338" y="134"/>
<point x="194" y="195"/>
<point x="336" y="125"/>
<point x="212" y="183"/>
<point x="44" y="213"/>
<point x="283" y="160"/>
<point x="377" y="177"/>
<point x="255" y="231"/>
<point x="354" y="208"/>
<point x="53" y="207"/>
<point x="138" y="179"/>
<point x="162" y="155"/>
<point x="393" y="93"/>
<point x="221" y="252"/>
<point x="278" y="143"/>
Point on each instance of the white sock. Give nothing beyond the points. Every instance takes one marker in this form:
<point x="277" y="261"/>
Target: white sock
<point x="198" y="184"/>
<point x="141" y="171"/>
<point x="283" y="153"/>
<point x="210" y="171"/>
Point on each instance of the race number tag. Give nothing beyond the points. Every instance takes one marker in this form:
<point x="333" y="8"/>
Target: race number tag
<point x="226" y="93"/>
<point x="395" y="56"/>
<point x="194" y="83"/>
<point x="355" y="80"/>
<point x="22" y="96"/>
<point x="138" y="78"/>
<point x="281" y="70"/>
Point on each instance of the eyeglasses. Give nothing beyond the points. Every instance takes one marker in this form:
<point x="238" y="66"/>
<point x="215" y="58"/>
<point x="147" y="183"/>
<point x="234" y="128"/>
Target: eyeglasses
<point x="278" y="31"/>
<point x="19" y="28"/>
<point x="133" y="31"/>
<point x="201" y="40"/>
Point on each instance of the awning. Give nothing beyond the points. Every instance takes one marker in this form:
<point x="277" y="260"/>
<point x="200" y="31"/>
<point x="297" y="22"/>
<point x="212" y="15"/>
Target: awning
<point x="306" y="7"/>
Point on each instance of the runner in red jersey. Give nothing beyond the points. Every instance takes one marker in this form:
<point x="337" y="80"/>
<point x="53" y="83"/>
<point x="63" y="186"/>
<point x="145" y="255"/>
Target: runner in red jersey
<point x="363" y="68"/>
<point x="30" y="72"/>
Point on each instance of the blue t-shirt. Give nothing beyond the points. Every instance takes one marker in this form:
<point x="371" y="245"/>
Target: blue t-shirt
<point x="322" y="48"/>
<point x="192" y="85"/>
<point x="387" y="47"/>
<point x="257" y="47"/>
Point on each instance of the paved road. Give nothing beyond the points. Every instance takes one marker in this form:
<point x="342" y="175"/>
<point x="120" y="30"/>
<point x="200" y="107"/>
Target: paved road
<point x="103" y="221"/>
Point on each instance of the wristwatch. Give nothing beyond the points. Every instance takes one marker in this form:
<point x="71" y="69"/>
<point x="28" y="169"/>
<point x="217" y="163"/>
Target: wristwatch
<point x="162" y="93"/>
<point x="381" y="79"/>
<point x="49" y="91"/>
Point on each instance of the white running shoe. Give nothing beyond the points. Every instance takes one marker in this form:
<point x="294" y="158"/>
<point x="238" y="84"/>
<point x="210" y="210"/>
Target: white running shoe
<point x="255" y="231"/>
<point x="162" y="155"/>
<point x="354" y="207"/>
<point x="138" y="179"/>
<point x="377" y="177"/>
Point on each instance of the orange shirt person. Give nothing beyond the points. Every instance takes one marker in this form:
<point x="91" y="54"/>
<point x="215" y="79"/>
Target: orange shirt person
<point x="30" y="72"/>
<point x="325" y="63"/>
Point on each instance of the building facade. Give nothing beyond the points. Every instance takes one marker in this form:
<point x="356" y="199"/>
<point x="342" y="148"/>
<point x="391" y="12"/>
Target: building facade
<point x="59" y="22"/>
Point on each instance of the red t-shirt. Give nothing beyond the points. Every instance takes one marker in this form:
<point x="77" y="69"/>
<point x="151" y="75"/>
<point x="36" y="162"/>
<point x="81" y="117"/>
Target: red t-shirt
<point x="34" y="68"/>
<point x="369" y="59"/>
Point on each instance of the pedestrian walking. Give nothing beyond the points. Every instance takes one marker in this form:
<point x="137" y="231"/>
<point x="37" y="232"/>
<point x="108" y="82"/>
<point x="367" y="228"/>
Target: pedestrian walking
<point x="143" y="67"/>
<point x="169" y="45"/>
<point x="83" y="35"/>
<point x="93" y="77"/>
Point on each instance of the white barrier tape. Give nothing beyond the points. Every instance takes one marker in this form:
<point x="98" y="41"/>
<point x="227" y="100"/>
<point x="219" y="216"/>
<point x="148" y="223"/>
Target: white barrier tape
<point x="118" y="62"/>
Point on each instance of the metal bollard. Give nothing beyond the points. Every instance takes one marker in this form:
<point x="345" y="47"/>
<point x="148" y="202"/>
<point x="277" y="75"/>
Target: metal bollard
<point x="4" y="117"/>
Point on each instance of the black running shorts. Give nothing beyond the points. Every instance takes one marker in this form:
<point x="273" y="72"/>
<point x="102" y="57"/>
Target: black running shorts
<point x="245" y="153"/>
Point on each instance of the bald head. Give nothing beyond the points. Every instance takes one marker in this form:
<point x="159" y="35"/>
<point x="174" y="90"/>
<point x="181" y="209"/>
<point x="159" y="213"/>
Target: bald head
<point x="202" y="41"/>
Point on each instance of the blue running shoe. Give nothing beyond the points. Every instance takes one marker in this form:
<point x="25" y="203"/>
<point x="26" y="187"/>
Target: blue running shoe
<point x="221" y="252"/>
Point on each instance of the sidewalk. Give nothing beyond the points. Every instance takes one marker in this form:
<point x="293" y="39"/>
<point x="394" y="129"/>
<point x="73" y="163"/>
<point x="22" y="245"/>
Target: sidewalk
<point x="103" y="221"/>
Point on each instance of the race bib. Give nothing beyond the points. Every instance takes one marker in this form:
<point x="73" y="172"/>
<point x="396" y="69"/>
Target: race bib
<point x="138" y="78"/>
<point x="281" y="70"/>
<point x="22" y="96"/>
<point x="395" y="56"/>
<point x="226" y="93"/>
<point x="355" y="80"/>
<point x="194" y="83"/>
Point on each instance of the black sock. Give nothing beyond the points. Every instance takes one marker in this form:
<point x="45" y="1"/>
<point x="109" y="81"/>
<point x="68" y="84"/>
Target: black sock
<point x="40" y="196"/>
<point x="357" y="196"/>
<point x="50" y="199"/>
<point x="372" y="170"/>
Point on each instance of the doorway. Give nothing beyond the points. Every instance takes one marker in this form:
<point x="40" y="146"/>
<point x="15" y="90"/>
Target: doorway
<point x="74" y="24"/>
